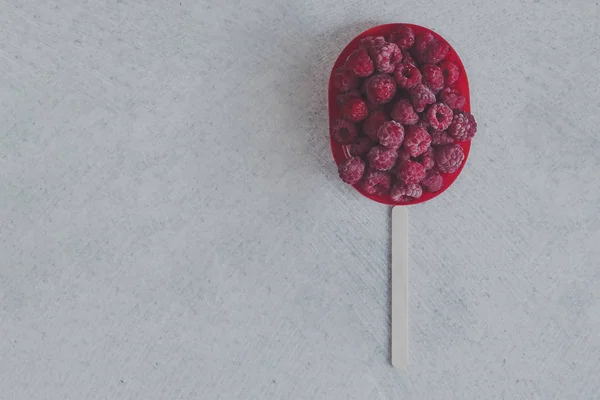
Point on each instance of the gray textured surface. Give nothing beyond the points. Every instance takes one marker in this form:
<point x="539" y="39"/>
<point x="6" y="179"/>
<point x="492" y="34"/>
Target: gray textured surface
<point x="172" y="226"/>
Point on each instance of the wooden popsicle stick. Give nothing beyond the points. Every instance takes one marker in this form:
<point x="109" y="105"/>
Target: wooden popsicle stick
<point x="400" y="287"/>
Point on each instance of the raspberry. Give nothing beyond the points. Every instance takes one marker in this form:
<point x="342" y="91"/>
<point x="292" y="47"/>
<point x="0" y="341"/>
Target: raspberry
<point x="463" y="126"/>
<point x="405" y="193"/>
<point x="376" y="182"/>
<point x="449" y="158"/>
<point x="421" y="96"/>
<point x="407" y="75"/>
<point x="403" y="37"/>
<point x="369" y="42"/>
<point x="427" y="159"/>
<point x="433" y="77"/>
<point x="360" y="63"/>
<point x="428" y="49"/>
<point x="361" y="146"/>
<point x="416" y="141"/>
<point x="411" y="172"/>
<point x="351" y="171"/>
<point x="391" y="135"/>
<point x="407" y="58"/>
<point x="344" y="80"/>
<point x="404" y="113"/>
<point x="453" y="98"/>
<point x="423" y="124"/>
<point x="343" y="132"/>
<point x="380" y="88"/>
<point x="433" y="181"/>
<point x="355" y="109"/>
<point x="342" y="98"/>
<point x="403" y="155"/>
<point x="373" y="123"/>
<point x="439" y="138"/>
<point x="385" y="56"/>
<point x="381" y="158"/>
<point x="439" y="116"/>
<point x="450" y="71"/>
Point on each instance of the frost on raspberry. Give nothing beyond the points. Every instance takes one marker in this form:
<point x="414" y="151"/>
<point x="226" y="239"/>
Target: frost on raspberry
<point x="343" y="132"/>
<point x="376" y="182"/>
<point x="360" y="63"/>
<point x="453" y="98"/>
<point x="385" y="56"/>
<point x="463" y="126"/>
<point x="373" y="123"/>
<point x="450" y="71"/>
<point x="404" y="113"/>
<point x="421" y="96"/>
<point x="381" y="158"/>
<point x="343" y="80"/>
<point x="439" y="116"/>
<point x="449" y="158"/>
<point x="403" y="193"/>
<point x="355" y="109"/>
<point x="433" y="77"/>
<point x="380" y="88"/>
<point x="407" y="75"/>
<point x="391" y="134"/>
<point x="440" y="138"/>
<point x="411" y="172"/>
<point x="369" y="42"/>
<point x="432" y="182"/>
<point x="352" y="170"/>
<point x="403" y="37"/>
<point x="361" y="146"/>
<point x="416" y="141"/>
<point x="429" y="50"/>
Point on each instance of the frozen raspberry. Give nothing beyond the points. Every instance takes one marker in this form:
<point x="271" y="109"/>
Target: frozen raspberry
<point x="411" y="172"/>
<point x="343" y="132"/>
<point x="403" y="37"/>
<point x="449" y="158"/>
<point x="352" y="170"/>
<point x="361" y="146"/>
<point x="376" y="182"/>
<point x="381" y="158"/>
<point x="428" y="49"/>
<point x="369" y="42"/>
<point x="404" y="193"/>
<point x="391" y="134"/>
<point x="403" y="155"/>
<point x="355" y="109"/>
<point x="373" y="123"/>
<point x="385" y="57"/>
<point x="439" y="116"/>
<point x="432" y="77"/>
<point x="407" y="58"/>
<point x="440" y="138"/>
<point x="360" y="63"/>
<point x="463" y="126"/>
<point x="380" y="88"/>
<point x="407" y="75"/>
<point x="433" y="181"/>
<point x="416" y="141"/>
<point x="427" y="159"/>
<point x="404" y="113"/>
<point x="344" y="80"/>
<point x="453" y="98"/>
<point x="451" y="72"/>
<point x="421" y="96"/>
<point x="423" y="123"/>
<point x="343" y="97"/>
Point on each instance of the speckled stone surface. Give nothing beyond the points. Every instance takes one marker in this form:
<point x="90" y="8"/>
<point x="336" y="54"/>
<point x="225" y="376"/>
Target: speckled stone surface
<point x="172" y="226"/>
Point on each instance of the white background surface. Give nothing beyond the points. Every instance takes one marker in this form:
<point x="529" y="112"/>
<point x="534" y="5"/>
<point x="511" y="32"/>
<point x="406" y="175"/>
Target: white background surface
<point x="172" y="226"/>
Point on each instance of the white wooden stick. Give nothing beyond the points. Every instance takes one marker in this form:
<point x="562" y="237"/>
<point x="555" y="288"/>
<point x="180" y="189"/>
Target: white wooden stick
<point x="400" y="287"/>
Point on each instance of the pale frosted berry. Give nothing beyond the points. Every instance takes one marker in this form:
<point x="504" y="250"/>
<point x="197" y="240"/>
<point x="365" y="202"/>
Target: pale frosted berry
<point x="432" y="77"/>
<point x="449" y="158"/>
<point x="440" y="138"/>
<point x="453" y="98"/>
<point x="380" y="88"/>
<point x="385" y="56"/>
<point x="432" y="182"/>
<point x="450" y="71"/>
<point x="416" y="141"/>
<point x="439" y="116"/>
<point x="411" y="172"/>
<point x="463" y="126"/>
<point x="351" y="171"/>
<point x="355" y="109"/>
<point x="360" y="63"/>
<point x="381" y="158"/>
<point x="403" y="193"/>
<point x="421" y="96"/>
<point x="391" y="134"/>
<point x="376" y="182"/>
<point x="407" y="75"/>
<point x="404" y="112"/>
<point x="403" y="36"/>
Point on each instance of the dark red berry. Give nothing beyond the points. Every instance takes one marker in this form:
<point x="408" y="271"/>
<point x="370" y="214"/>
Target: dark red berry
<point x="380" y="88"/>
<point x="376" y="182"/>
<point x="404" y="112"/>
<point x="421" y="96"/>
<point x="369" y="42"/>
<point x="355" y="109"/>
<point x="407" y="75"/>
<point x="463" y="126"/>
<point x="451" y="72"/>
<point x="427" y="159"/>
<point x="440" y="138"/>
<point x="411" y="172"/>
<point x="351" y="171"/>
<point x="391" y="134"/>
<point x="432" y="182"/>
<point x="423" y="123"/>
<point x="432" y="77"/>
<point x="381" y="158"/>
<point x="373" y="123"/>
<point x="453" y="98"/>
<point x="428" y="49"/>
<point x="343" y="131"/>
<point x="361" y="146"/>
<point x="385" y="56"/>
<point x="416" y="141"/>
<point x="407" y="58"/>
<point x="343" y="97"/>
<point x="360" y="63"/>
<point x="344" y="80"/>
<point x="403" y="156"/>
<point x="449" y="158"/>
<point x="402" y="193"/>
<point x="439" y="116"/>
<point x="403" y="37"/>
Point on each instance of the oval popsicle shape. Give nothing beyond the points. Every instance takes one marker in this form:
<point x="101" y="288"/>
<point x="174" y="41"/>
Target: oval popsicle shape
<point x="430" y="77"/>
